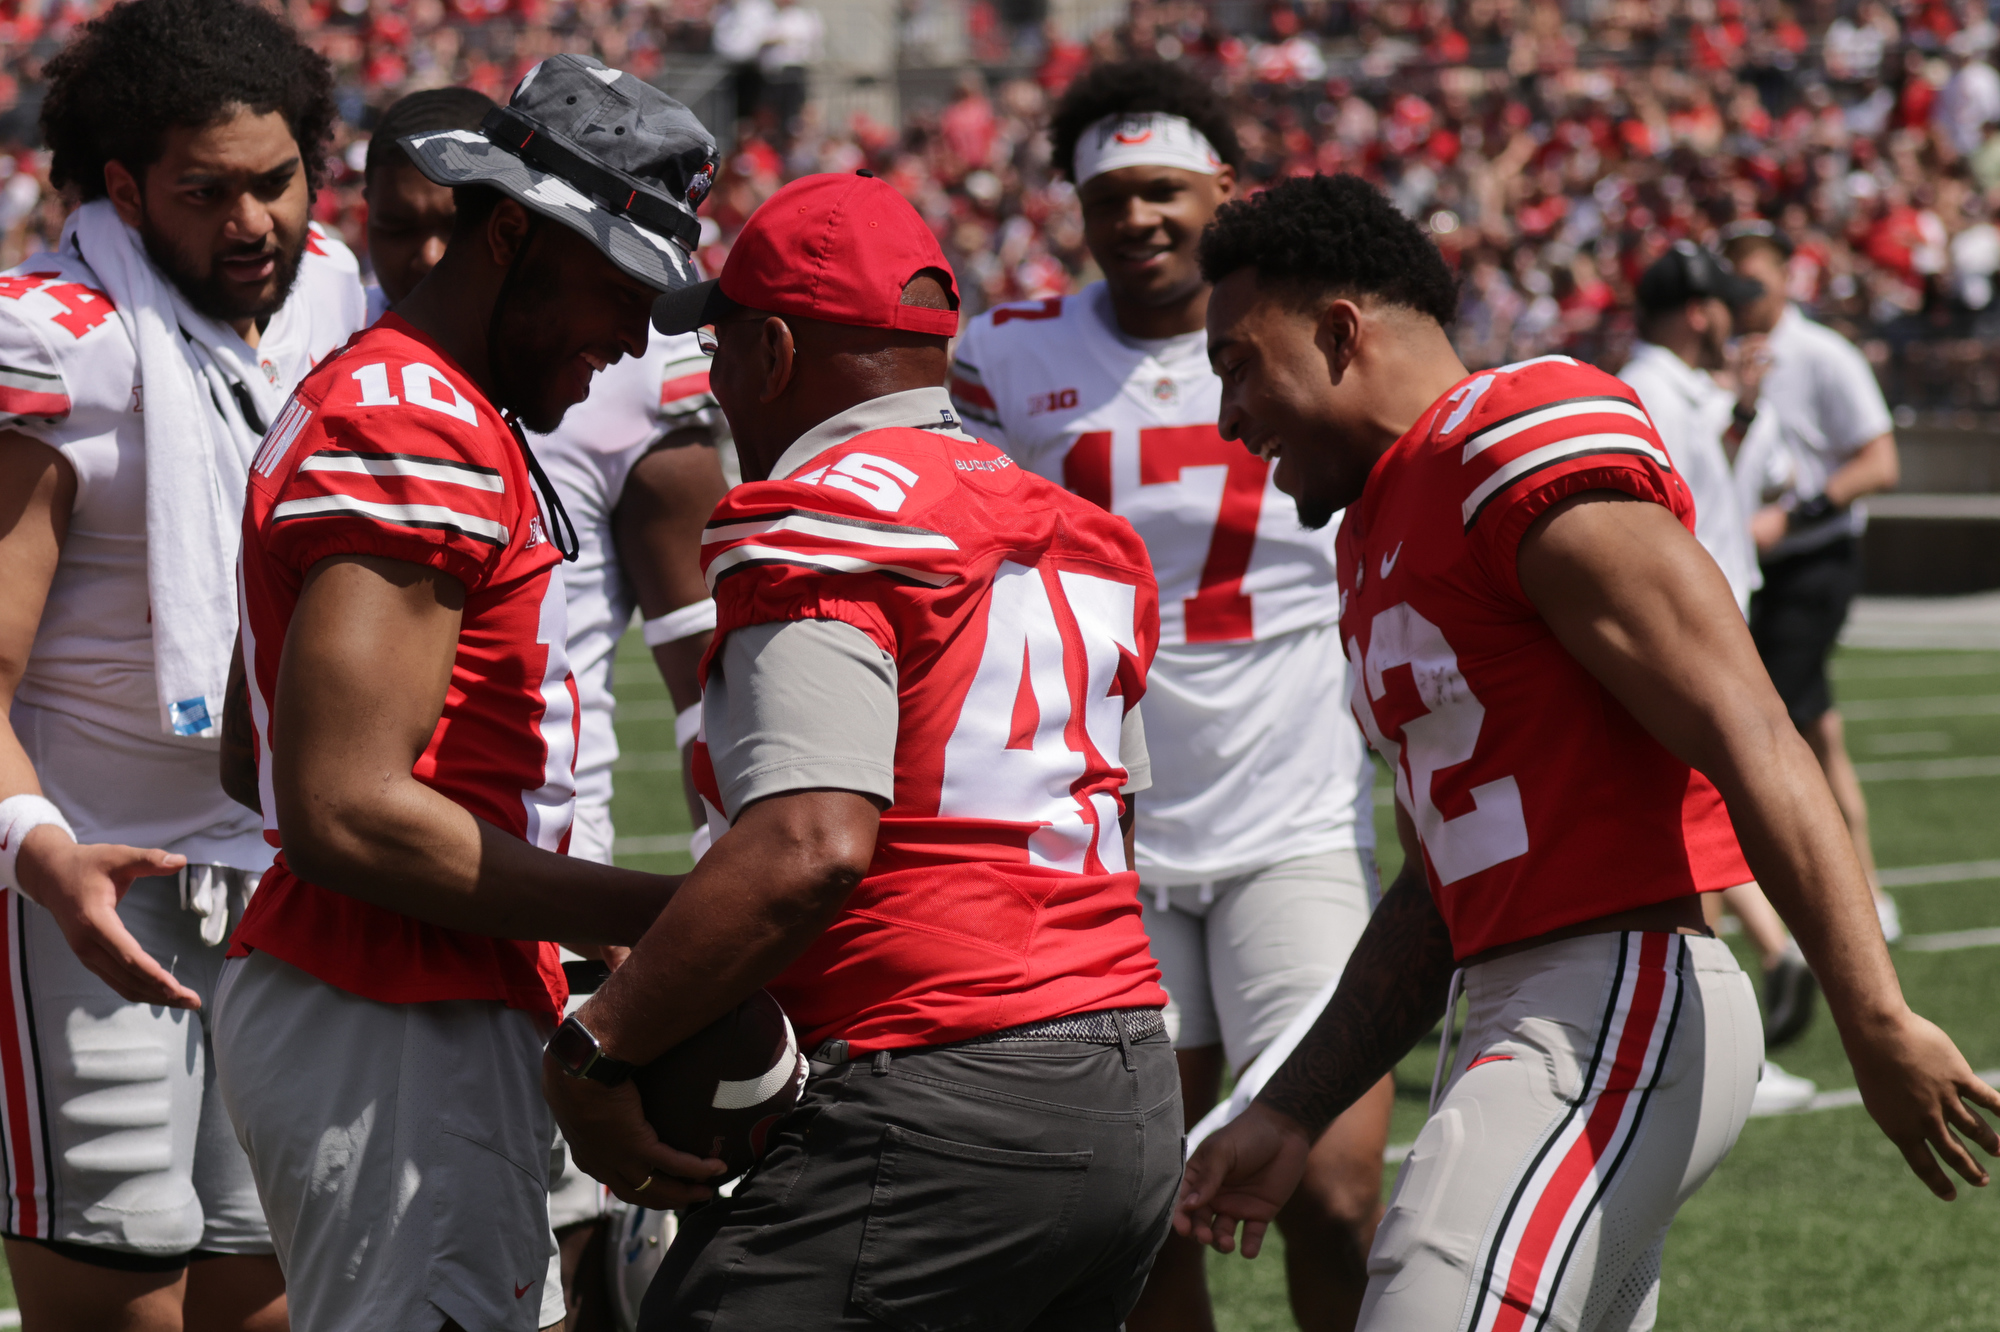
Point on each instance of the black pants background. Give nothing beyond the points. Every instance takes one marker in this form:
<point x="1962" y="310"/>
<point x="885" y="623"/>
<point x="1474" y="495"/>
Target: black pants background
<point x="1796" y="618"/>
<point x="1017" y="1185"/>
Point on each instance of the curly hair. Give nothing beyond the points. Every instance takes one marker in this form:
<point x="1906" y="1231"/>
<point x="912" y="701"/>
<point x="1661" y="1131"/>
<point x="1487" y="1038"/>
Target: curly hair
<point x="1324" y="236"/>
<point x="1141" y="85"/>
<point x="144" y="66"/>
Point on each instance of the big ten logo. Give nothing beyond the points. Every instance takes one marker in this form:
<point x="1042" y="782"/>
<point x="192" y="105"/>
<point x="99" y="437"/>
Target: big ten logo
<point x="1060" y="400"/>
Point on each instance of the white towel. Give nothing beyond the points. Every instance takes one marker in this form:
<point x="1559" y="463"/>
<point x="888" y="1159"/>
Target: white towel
<point x="198" y="451"/>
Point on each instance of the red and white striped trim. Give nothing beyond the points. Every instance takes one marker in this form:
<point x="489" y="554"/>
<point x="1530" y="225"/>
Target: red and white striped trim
<point x="23" y="1135"/>
<point x="1527" y="1251"/>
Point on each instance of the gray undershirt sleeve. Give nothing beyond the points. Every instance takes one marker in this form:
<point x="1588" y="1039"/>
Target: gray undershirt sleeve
<point x="1132" y="753"/>
<point x="800" y="705"/>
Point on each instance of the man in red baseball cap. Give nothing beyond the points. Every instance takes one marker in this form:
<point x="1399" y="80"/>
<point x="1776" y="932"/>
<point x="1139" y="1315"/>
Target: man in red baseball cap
<point x="920" y="730"/>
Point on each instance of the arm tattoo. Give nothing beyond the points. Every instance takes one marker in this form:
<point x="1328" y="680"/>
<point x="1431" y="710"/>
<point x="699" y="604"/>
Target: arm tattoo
<point x="1391" y="993"/>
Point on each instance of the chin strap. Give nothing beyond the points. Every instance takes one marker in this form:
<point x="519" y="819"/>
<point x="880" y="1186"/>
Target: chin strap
<point x="561" y="530"/>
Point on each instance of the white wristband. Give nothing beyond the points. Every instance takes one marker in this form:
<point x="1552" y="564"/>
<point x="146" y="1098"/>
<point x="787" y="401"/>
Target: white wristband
<point x="678" y="624"/>
<point x="19" y="816"/>
<point x="687" y="725"/>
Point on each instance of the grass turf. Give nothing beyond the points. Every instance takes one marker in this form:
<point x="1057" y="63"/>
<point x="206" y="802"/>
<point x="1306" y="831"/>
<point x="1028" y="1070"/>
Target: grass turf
<point x="1813" y="1223"/>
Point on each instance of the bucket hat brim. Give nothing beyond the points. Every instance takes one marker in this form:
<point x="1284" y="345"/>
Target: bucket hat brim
<point x="464" y="157"/>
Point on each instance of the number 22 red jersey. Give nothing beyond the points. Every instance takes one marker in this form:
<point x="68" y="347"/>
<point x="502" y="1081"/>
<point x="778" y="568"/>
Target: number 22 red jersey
<point x="1539" y="801"/>
<point x="1022" y="621"/>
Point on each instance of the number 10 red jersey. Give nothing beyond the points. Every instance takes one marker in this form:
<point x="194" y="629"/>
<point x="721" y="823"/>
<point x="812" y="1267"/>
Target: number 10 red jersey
<point x="1539" y="800"/>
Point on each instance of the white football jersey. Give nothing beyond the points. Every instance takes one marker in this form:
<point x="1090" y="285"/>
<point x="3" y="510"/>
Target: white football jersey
<point x="1254" y="759"/>
<point x="88" y="710"/>
<point x="631" y="405"/>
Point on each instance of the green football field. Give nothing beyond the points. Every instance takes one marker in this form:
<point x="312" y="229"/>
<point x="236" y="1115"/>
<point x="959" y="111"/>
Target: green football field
<point x="1813" y="1224"/>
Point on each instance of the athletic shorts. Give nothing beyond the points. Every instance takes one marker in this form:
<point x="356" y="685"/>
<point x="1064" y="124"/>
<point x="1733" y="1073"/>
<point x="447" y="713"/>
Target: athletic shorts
<point x="1023" y="1185"/>
<point x="402" y="1152"/>
<point x="1598" y="1082"/>
<point x="114" y="1138"/>
<point x="1238" y="957"/>
<point x="1796" y="618"/>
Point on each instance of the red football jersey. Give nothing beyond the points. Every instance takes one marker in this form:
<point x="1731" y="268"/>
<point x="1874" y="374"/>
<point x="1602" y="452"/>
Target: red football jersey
<point x="387" y="449"/>
<point x="1022" y="621"/>
<point x="1538" y="799"/>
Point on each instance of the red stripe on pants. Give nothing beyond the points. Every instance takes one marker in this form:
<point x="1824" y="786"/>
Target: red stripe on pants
<point x="1545" y="1222"/>
<point x="13" y="1069"/>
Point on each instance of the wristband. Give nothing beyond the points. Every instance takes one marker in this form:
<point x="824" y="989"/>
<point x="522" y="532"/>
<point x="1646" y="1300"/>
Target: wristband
<point x="678" y="624"/>
<point x="19" y="816"/>
<point x="687" y="725"/>
<point x="1807" y="512"/>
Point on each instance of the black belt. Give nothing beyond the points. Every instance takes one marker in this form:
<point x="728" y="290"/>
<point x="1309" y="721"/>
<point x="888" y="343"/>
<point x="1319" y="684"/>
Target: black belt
<point x="1098" y="1028"/>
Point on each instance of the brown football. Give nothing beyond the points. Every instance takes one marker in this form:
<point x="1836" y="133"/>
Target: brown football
<point x="721" y="1092"/>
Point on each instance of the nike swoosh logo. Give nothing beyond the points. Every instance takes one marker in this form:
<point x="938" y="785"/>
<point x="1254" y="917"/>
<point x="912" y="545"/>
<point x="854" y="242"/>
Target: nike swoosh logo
<point x="519" y="1291"/>
<point x="1389" y="560"/>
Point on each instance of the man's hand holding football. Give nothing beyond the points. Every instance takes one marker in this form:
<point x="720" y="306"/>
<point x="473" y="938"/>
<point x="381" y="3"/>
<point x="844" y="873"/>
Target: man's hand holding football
<point x="609" y="1140"/>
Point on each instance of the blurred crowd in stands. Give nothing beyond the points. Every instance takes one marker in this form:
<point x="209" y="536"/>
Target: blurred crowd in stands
<point x="1553" y="147"/>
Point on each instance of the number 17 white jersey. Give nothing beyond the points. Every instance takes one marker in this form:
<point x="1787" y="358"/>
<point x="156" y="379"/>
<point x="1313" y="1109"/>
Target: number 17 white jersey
<point x="1254" y="760"/>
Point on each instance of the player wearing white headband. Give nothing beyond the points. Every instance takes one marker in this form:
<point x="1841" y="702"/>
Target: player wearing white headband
<point x="1255" y="844"/>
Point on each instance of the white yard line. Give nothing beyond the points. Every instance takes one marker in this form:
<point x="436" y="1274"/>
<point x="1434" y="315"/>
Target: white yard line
<point x="1950" y="941"/>
<point x="649" y="760"/>
<point x="1920" y="876"/>
<point x="1930" y="770"/>
<point x="1901" y="709"/>
<point x="664" y="844"/>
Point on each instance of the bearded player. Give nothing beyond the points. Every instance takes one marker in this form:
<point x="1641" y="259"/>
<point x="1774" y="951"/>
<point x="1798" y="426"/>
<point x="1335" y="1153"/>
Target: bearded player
<point x="1255" y="845"/>
<point x="139" y="363"/>
<point x="1555" y="669"/>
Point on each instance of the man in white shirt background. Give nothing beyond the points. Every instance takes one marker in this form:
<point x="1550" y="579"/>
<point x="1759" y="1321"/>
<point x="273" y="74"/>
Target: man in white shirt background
<point x="1840" y="443"/>
<point x="1728" y="454"/>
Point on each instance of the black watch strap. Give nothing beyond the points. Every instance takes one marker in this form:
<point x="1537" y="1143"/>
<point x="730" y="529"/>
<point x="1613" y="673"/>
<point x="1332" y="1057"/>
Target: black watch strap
<point x="577" y="1052"/>
<point x="1808" y="512"/>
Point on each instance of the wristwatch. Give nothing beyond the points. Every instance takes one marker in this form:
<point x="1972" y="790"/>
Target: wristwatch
<point x="1807" y="512"/>
<point x="580" y="1056"/>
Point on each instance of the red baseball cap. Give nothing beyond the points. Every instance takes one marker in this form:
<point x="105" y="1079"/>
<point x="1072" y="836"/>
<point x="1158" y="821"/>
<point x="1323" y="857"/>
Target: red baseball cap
<point x="833" y="246"/>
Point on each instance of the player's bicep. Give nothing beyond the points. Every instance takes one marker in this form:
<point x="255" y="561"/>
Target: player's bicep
<point x="362" y="681"/>
<point x="1630" y="593"/>
<point x="37" y="490"/>
<point x="668" y="498"/>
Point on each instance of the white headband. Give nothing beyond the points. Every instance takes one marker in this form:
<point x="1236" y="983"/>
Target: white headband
<point x="1143" y="138"/>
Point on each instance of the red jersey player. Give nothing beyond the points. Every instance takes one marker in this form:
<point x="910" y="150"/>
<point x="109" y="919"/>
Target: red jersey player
<point x="914" y="738"/>
<point x="382" y="1014"/>
<point x="1549" y="661"/>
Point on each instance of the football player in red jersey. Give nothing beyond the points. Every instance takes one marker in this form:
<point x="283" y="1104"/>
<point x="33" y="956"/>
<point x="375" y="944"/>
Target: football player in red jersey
<point x="916" y="725"/>
<point x="1556" y="670"/>
<point x="382" y="1015"/>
